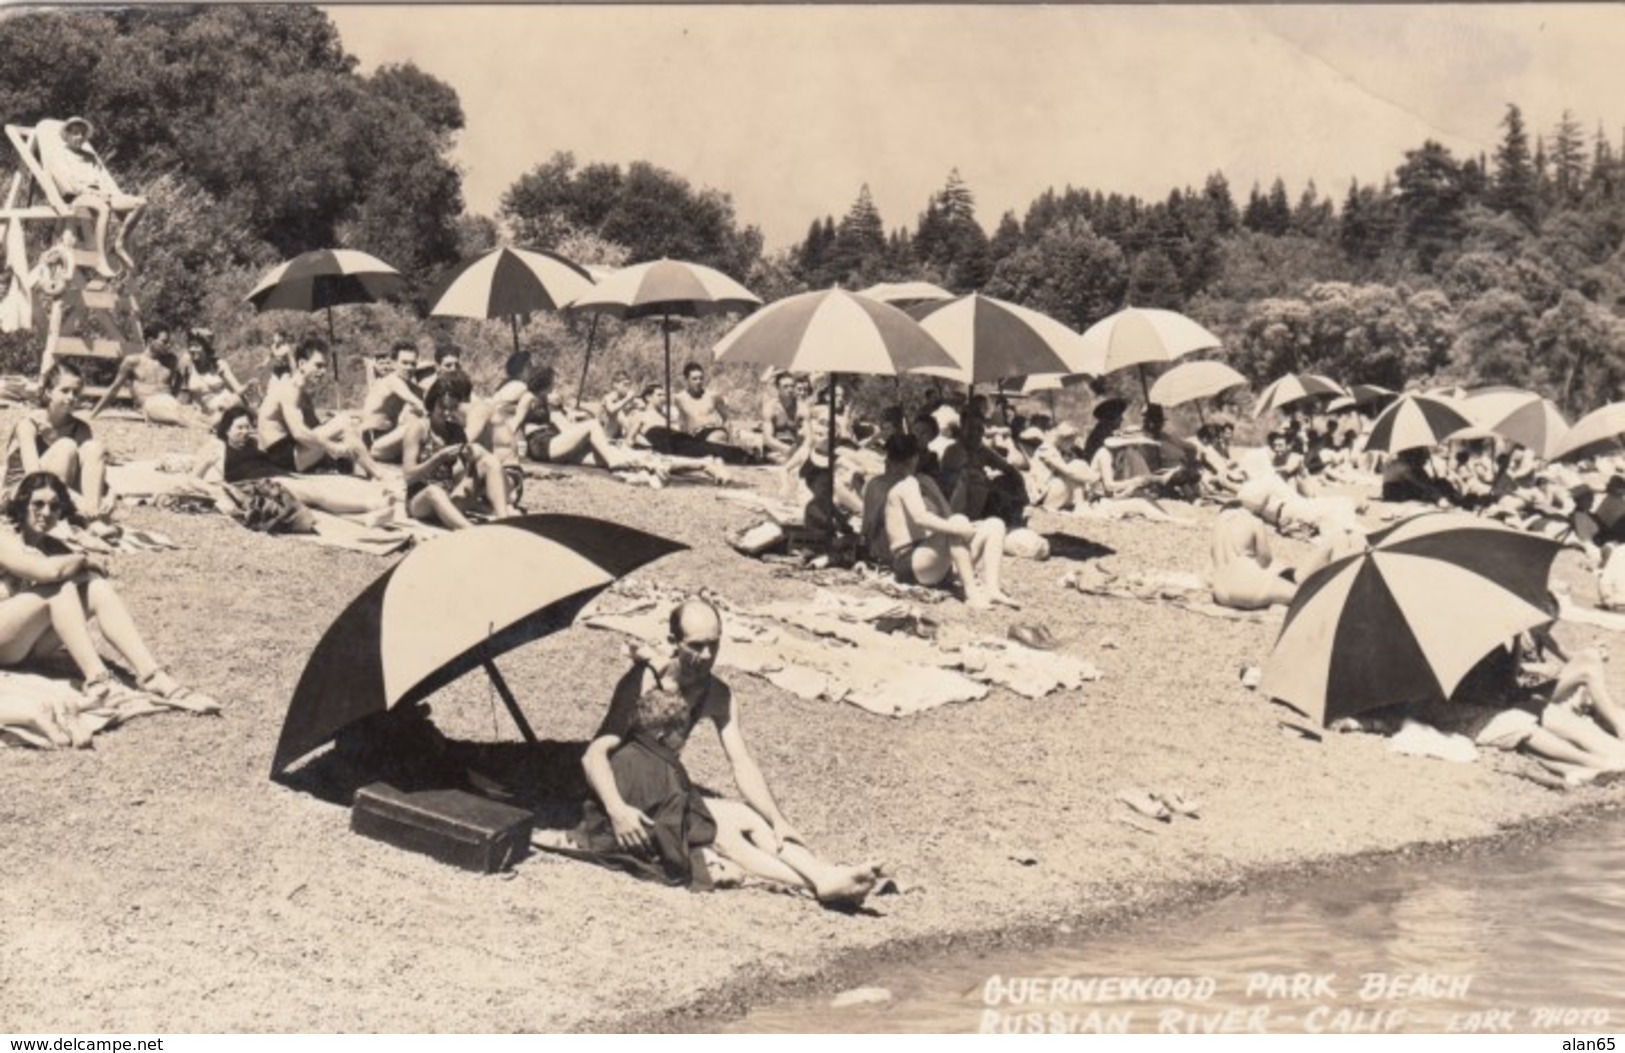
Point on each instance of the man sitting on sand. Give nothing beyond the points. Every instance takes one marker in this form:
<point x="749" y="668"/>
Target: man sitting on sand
<point x="291" y="435"/>
<point x="387" y="399"/>
<point x="908" y="523"/>
<point x="85" y="182"/>
<point x="646" y="817"/>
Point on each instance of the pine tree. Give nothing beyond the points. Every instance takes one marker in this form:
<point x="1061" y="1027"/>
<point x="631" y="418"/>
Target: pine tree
<point x="1006" y="239"/>
<point x="859" y="246"/>
<point x="1278" y="210"/>
<point x="1223" y="207"/>
<point x="1514" y="188"/>
<point x="1255" y="216"/>
<point x="1568" y="159"/>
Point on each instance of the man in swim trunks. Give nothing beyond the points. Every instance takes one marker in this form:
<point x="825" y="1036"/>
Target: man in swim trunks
<point x="290" y="433"/>
<point x="700" y="413"/>
<point x="781" y="433"/>
<point x="153" y="377"/>
<point x="382" y="428"/>
<point x="906" y="516"/>
<point x="645" y="815"/>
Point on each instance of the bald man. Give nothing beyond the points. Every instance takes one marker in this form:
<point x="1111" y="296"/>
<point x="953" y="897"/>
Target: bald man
<point x="646" y="816"/>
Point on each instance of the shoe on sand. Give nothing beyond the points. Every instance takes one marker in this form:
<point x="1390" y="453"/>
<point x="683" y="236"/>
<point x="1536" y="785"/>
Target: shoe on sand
<point x="1179" y="804"/>
<point x="1139" y="800"/>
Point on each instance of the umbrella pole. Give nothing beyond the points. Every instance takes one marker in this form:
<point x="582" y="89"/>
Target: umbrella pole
<point x="508" y="700"/>
<point x="1145" y="388"/>
<point x="586" y="360"/>
<point x="665" y="333"/>
<point x="830" y="539"/>
<point x="333" y="352"/>
<point x="515" y="320"/>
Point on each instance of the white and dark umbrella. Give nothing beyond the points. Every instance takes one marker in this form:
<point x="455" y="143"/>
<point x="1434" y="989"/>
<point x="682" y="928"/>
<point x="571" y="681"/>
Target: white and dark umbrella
<point x="509" y="283"/>
<point x="1295" y="387"/>
<point x="325" y="279"/>
<point x="1596" y="434"/>
<point x="450" y="606"/>
<point x="666" y="289"/>
<point x="1407" y="618"/>
<point x="1523" y="417"/>
<point x="1192" y="381"/>
<point x="991" y="340"/>
<point x="903" y="294"/>
<point x="1416" y="420"/>
<point x="1140" y="336"/>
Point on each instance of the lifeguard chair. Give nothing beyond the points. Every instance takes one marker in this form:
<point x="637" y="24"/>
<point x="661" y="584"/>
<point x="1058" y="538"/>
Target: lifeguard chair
<point x="92" y="323"/>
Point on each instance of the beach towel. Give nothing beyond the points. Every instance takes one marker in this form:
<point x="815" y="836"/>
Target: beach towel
<point x="17" y="309"/>
<point x="1186" y="592"/>
<point x="1416" y="739"/>
<point x="80" y="719"/>
<point x="150" y="478"/>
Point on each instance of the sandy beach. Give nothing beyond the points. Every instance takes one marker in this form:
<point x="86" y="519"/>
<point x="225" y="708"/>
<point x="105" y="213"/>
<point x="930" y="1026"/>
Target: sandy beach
<point x="161" y="883"/>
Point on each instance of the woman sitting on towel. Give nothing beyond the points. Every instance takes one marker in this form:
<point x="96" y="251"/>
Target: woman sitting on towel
<point x="55" y="439"/>
<point x="235" y="459"/>
<point x="446" y="474"/>
<point x="53" y="593"/>
<point x="210" y="383"/>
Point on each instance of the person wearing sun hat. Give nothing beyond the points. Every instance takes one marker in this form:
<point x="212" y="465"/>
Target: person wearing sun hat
<point x="84" y="182"/>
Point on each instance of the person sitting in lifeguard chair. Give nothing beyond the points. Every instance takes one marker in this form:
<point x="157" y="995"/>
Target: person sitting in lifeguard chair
<point x="84" y="182"/>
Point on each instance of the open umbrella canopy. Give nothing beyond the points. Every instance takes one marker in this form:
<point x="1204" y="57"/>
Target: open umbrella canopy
<point x="901" y="294"/>
<point x="665" y="288"/>
<point x="1190" y="381"/>
<point x="451" y="605"/>
<point x="1596" y="434"/>
<point x="990" y="340"/>
<point x="1406" y="619"/>
<point x="325" y="278"/>
<point x="509" y="282"/>
<point x="834" y="331"/>
<point x="1363" y="394"/>
<point x="1295" y="387"/>
<point x="1136" y="336"/>
<point x="1416" y="420"/>
<point x="1521" y="416"/>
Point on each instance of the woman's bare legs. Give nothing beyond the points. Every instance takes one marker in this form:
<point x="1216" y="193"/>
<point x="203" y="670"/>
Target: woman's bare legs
<point x="432" y="504"/>
<point x="102" y="602"/>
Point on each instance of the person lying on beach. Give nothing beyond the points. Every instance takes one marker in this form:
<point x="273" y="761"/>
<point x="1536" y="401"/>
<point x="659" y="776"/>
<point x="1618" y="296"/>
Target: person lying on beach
<point x="233" y="458"/>
<point x="446" y="474"/>
<point x="293" y="437"/>
<point x="1408" y="476"/>
<point x="1271" y="499"/>
<point x="54" y="439"/>
<point x="153" y="377"/>
<point x="1245" y="573"/>
<point x="53" y="593"/>
<point x="908" y="524"/>
<point x="645" y="815"/>
<point x="384" y="409"/>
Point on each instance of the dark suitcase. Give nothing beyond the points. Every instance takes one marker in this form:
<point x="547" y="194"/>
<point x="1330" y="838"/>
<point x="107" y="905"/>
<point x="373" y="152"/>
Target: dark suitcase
<point x="453" y="826"/>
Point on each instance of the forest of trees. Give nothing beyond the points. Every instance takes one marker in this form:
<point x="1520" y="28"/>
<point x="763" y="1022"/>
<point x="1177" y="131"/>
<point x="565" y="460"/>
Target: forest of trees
<point x="257" y="138"/>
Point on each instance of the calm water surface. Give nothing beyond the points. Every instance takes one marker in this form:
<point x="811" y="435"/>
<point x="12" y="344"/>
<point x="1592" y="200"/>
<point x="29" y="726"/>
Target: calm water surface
<point x="1529" y="940"/>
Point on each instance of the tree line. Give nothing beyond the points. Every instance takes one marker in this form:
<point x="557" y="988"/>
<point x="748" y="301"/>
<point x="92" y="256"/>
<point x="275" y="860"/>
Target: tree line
<point x="257" y="138"/>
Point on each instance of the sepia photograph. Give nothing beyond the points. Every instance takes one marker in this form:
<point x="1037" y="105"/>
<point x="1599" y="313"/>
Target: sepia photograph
<point x="770" y="518"/>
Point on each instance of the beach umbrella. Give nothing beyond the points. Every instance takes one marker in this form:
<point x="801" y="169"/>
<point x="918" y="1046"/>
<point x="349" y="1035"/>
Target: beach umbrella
<point x="325" y="279"/>
<point x="454" y="604"/>
<point x="1407" y="618"/>
<point x="1416" y="420"/>
<point x="990" y="340"/>
<point x="1191" y="381"/>
<point x="1364" y="394"/>
<point x="509" y="283"/>
<point x="1137" y="336"/>
<point x="1596" y="434"/>
<point x="1295" y="387"/>
<point x="665" y="289"/>
<point x="1521" y="416"/>
<point x="836" y="332"/>
<point x="902" y="294"/>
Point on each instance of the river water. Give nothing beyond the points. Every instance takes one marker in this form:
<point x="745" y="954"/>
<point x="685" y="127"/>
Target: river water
<point x="1530" y="939"/>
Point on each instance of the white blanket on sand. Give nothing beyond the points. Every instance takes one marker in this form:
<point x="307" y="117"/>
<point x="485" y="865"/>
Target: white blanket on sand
<point x="827" y="649"/>
<point x="85" y="723"/>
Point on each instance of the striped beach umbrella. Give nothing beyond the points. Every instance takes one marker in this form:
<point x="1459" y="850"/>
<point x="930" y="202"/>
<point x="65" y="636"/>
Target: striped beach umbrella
<point x="1416" y="420"/>
<point x="991" y="340"/>
<point x="837" y="332"/>
<point x="509" y="283"/>
<point x="325" y="279"/>
<point x="1521" y="416"/>
<point x="1138" y="336"/>
<point x="904" y="294"/>
<point x="1596" y="434"/>
<point x="1364" y="394"/>
<point x="666" y="289"/>
<point x="1406" y="619"/>
<point x="439" y="613"/>
<point x="1295" y="387"/>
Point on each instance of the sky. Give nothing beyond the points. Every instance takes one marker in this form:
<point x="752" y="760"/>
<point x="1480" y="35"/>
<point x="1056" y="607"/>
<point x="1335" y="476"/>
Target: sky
<point x="790" y="109"/>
